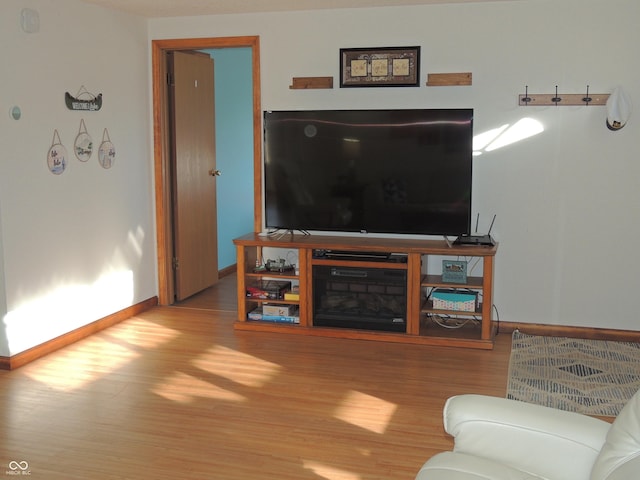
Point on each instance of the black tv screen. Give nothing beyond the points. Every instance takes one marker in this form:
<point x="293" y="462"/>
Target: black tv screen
<point x="373" y="171"/>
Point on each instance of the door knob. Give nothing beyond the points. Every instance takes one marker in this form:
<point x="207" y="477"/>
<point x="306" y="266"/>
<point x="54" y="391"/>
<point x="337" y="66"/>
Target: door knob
<point x="215" y="173"/>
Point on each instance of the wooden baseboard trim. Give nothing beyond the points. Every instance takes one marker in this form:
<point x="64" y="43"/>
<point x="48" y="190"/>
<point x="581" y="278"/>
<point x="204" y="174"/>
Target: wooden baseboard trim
<point x="22" y="358"/>
<point x="227" y="271"/>
<point x="571" y="332"/>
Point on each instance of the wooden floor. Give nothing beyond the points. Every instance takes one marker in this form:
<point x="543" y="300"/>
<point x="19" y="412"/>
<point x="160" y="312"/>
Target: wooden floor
<point x="177" y="393"/>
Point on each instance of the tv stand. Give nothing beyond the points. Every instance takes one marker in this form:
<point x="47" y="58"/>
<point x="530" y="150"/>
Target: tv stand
<point x="415" y="321"/>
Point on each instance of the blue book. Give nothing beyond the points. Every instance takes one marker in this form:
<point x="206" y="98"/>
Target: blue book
<point x="281" y="318"/>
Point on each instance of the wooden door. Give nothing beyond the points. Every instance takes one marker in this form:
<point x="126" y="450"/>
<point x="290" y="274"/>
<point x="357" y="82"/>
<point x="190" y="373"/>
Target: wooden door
<point x="194" y="173"/>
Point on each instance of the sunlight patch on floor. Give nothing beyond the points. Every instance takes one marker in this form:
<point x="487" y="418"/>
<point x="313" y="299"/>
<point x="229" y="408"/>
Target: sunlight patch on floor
<point x="236" y="366"/>
<point x="366" y="411"/>
<point x="183" y="388"/>
<point x="142" y="333"/>
<point x="328" y="472"/>
<point x="81" y="364"/>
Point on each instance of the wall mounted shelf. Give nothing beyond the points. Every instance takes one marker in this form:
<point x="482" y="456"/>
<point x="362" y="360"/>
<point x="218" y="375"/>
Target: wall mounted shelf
<point x="449" y="79"/>
<point x="302" y="83"/>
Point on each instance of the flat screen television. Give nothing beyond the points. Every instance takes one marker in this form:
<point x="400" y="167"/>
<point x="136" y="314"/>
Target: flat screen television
<point x="369" y="171"/>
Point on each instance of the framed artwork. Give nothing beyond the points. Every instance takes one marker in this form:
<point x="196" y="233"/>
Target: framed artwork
<point x="380" y="67"/>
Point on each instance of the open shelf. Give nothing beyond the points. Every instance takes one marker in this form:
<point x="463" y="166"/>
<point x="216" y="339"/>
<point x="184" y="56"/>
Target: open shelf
<point x="469" y="329"/>
<point x="427" y="307"/>
<point x="436" y="281"/>
<point x="419" y="328"/>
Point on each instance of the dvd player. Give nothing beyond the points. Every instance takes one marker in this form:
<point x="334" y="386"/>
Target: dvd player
<point x="356" y="255"/>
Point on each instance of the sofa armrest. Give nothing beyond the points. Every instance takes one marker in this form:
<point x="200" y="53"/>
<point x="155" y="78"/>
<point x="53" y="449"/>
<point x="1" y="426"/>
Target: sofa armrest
<point x="539" y="440"/>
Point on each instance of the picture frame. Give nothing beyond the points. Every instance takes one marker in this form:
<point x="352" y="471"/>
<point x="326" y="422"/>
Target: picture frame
<point x="380" y="67"/>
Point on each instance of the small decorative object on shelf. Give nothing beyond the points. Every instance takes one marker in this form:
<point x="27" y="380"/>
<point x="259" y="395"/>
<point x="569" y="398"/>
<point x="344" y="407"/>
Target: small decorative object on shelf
<point x="454" y="271"/>
<point x="280" y="266"/>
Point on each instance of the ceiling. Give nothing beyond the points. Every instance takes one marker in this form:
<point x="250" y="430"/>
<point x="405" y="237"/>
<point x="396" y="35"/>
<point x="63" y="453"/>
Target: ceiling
<point x="181" y="8"/>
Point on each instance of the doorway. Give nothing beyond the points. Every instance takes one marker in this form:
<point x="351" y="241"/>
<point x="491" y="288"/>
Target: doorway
<point x="162" y="171"/>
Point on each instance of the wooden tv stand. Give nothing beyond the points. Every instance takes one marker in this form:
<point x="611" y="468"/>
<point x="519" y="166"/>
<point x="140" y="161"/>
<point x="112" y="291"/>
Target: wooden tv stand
<point x="424" y="324"/>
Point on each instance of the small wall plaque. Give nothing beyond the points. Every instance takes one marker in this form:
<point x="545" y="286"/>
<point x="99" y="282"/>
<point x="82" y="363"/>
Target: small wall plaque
<point x="83" y="101"/>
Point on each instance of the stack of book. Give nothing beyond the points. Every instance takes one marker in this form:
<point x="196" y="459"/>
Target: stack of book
<point x="271" y="289"/>
<point x="276" y="313"/>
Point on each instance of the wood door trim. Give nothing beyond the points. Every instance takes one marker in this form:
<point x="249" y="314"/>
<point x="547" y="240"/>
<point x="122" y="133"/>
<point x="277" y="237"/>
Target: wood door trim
<point x="160" y="147"/>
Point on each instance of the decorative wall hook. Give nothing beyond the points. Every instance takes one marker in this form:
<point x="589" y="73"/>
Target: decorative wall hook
<point x="556" y="99"/>
<point x="526" y="99"/>
<point x="586" y="99"/>
<point x="546" y="99"/>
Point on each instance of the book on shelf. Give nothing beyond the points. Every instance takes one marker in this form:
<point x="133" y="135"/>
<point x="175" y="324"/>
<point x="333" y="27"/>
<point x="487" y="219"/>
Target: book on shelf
<point x="293" y="294"/>
<point x="269" y="289"/>
<point x="279" y="310"/>
<point x="257" y="314"/>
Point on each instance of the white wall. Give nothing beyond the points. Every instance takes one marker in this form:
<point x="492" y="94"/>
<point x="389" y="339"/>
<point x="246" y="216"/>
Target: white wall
<point x="78" y="246"/>
<point x="567" y="199"/>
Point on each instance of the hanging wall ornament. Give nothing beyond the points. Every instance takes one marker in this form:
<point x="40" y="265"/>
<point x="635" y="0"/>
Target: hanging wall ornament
<point x="57" y="156"/>
<point x="83" y="100"/>
<point x="83" y="145"/>
<point x="106" y="152"/>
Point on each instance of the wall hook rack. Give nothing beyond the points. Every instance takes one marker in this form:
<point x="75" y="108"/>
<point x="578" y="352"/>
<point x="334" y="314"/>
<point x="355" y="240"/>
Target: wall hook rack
<point x="567" y="99"/>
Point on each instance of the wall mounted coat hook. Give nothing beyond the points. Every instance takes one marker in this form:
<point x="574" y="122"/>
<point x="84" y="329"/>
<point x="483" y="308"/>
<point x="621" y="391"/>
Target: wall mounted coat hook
<point x="526" y="99"/>
<point x="567" y="99"/>
<point x="587" y="98"/>
<point x="556" y="99"/>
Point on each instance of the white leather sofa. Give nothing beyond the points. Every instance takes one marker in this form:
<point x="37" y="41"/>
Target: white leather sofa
<point x="500" y="439"/>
